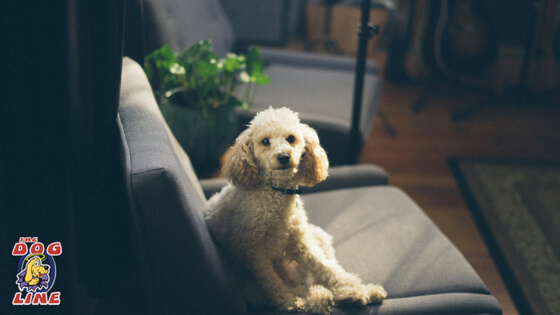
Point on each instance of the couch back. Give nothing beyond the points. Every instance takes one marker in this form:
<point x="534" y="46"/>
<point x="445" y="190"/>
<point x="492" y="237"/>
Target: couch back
<point x="183" y="270"/>
<point x="181" y="23"/>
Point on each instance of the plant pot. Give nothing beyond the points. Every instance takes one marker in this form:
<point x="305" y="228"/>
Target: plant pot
<point x="203" y="144"/>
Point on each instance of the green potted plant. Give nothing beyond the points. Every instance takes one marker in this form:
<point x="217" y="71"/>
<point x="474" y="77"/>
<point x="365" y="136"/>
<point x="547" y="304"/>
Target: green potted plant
<point x="198" y="94"/>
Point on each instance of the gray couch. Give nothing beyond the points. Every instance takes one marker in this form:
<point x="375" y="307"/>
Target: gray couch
<point x="379" y="233"/>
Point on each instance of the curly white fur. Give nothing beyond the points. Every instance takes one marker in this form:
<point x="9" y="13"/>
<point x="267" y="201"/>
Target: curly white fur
<point x="283" y="260"/>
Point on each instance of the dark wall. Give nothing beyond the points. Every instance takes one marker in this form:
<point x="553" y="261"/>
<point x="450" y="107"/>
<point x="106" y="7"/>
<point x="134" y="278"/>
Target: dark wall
<point x="60" y="165"/>
<point x="511" y="20"/>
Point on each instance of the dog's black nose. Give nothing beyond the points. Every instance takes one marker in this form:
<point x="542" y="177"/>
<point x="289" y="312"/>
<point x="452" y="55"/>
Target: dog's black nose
<point x="283" y="158"/>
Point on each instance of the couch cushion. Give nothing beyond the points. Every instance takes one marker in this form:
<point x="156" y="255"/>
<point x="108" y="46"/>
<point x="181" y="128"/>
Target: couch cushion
<point x="382" y="235"/>
<point x="182" y="267"/>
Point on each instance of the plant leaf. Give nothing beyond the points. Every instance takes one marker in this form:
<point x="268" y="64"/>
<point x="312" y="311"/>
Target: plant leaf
<point x="207" y="69"/>
<point x="157" y="66"/>
<point x="201" y="50"/>
<point x="255" y="62"/>
<point x="261" y="79"/>
<point x="233" y="63"/>
<point x="196" y="77"/>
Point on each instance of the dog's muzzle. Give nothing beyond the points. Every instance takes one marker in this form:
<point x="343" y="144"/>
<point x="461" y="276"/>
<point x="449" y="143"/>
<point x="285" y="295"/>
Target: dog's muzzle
<point x="283" y="159"/>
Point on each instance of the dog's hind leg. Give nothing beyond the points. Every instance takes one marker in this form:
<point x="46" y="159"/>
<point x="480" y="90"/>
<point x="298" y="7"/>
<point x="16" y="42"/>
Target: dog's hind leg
<point x="324" y="241"/>
<point x="346" y="287"/>
<point x="274" y="288"/>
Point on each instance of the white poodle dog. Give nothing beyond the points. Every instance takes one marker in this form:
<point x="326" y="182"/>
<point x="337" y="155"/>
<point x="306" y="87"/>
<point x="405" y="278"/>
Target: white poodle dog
<point x="283" y="260"/>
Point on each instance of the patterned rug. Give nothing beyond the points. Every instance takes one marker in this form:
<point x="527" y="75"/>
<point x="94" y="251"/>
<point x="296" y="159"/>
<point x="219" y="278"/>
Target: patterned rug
<point x="517" y="208"/>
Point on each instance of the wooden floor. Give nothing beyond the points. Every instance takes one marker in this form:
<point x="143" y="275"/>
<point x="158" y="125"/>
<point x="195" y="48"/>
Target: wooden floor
<point x="416" y="158"/>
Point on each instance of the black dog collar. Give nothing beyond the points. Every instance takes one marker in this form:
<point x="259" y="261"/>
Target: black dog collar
<point x="287" y="191"/>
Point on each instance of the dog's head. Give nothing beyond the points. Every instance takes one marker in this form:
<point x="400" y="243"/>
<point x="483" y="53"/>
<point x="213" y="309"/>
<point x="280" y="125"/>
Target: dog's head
<point x="36" y="267"/>
<point x="276" y="149"/>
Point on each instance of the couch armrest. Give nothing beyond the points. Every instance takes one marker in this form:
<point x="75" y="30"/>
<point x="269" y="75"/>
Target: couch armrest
<point x="314" y="60"/>
<point x="351" y="176"/>
<point x="211" y="186"/>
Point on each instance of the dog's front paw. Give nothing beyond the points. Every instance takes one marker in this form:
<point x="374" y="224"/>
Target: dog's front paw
<point x="320" y="300"/>
<point x="376" y="293"/>
<point x="33" y="281"/>
<point x="354" y="295"/>
<point x="361" y="295"/>
<point x="297" y="305"/>
<point x="291" y="303"/>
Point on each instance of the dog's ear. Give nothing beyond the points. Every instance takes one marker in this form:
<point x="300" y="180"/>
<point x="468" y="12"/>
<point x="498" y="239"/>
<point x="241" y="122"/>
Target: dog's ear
<point x="240" y="168"/>
<point x="315" y="164"/>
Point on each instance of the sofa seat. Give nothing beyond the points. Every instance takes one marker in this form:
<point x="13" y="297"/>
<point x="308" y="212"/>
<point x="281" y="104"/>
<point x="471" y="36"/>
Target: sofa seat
<point x="382" y="235"/>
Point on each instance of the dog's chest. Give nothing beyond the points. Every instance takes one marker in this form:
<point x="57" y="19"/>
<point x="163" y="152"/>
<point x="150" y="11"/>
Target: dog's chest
<point x="281" y="229"/>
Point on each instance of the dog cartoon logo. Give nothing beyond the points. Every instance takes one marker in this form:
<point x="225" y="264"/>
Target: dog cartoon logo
<point x="36" y="272"/>
<point x="35" y="275"/>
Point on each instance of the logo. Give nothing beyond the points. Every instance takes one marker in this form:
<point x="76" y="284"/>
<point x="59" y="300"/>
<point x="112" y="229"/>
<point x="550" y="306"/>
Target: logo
<point x="36" y="272"/>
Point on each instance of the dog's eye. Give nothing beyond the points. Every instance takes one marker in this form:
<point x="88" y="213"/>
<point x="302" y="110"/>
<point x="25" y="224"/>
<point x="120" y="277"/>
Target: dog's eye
<point x="291" y="139"/>
<point x="37" y="263"/>
<point x="265" y="142"/>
